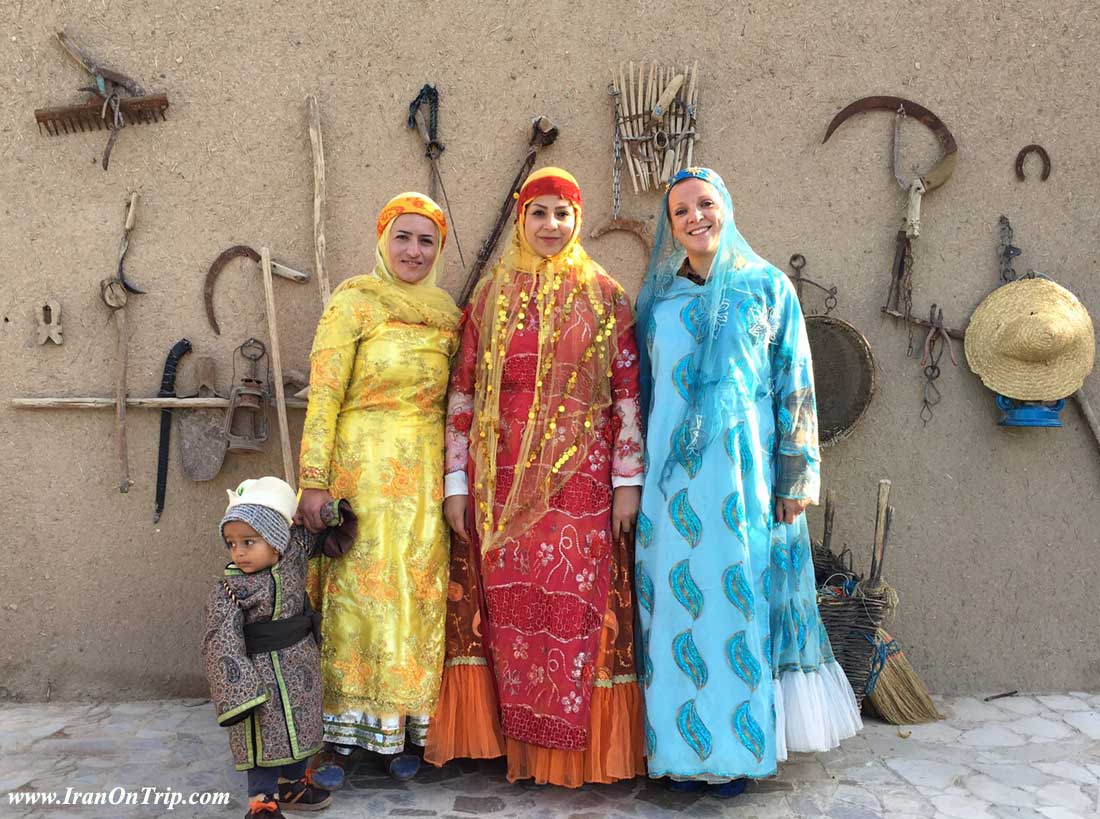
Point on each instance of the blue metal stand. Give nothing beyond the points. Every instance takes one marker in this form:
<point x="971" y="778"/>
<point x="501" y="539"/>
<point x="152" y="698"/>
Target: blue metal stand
<point x="1029" y="413"/>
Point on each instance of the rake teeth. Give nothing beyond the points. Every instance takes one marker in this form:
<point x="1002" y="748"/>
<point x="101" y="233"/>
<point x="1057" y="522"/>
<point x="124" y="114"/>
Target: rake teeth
<point x="88" y="116"/>
<point x="152" y="116"/>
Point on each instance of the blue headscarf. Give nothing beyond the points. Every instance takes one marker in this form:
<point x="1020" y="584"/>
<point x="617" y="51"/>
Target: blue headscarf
<point x="708" y="408"/>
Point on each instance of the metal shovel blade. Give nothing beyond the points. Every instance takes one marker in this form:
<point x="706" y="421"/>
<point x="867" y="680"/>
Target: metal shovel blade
<point x="202" y="441"/>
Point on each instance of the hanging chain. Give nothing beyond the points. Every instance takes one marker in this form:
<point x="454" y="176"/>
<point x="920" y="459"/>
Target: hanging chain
<point x="935" y="343"/>
<point x="1008" y="251"/>
<point x="932" y="394"/>
<point x="907" y="294"/>
<point x="617" y="167"/>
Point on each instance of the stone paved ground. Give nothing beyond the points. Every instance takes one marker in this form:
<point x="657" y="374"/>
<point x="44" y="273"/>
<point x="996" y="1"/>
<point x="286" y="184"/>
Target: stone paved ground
<point x="1024" y="756"/>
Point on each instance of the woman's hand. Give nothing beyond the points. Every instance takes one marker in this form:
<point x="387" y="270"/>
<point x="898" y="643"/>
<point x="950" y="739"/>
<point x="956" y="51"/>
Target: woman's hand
<point x="454" y="511"/>
<point x="624" y="510"/>
<point x="309" y="509"/>
<point x="787" y="510"/>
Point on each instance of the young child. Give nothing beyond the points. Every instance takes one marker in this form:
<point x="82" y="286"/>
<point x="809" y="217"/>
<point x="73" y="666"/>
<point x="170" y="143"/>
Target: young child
<point x="260" y="651"/>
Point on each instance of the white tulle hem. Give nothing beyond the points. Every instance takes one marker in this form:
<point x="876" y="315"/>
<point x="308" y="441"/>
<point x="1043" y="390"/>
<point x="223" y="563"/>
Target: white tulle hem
<point x="814" y="710"/>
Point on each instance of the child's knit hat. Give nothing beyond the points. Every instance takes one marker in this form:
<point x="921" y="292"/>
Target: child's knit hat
<point x="267" y="505"/>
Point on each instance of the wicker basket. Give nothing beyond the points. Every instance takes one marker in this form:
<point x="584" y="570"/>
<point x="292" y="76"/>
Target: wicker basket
<point x="851" y="619"/>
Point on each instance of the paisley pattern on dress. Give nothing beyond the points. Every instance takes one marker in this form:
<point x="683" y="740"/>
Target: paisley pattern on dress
<point x="644" y="585"/>
<point x="742" y="661"/>
<point x="797" y="553"/>
<point x="683" y="377"/>
<point x="645" y="662"/>
<point x="733" y="513"/>
<point x="685" y="449"/>
<point x="645" y="530"/>
<point x="692" y="318"/>
<point x="693" y="730"/>
<point x="740" y="448"/>
<point x="684" y="589"/>
<point x="689" y="659"/>
<point x="779" y="554"/>
<point x="738" y="590"/>
<point x="685" y="520"/>
<point x="748" y="730"/>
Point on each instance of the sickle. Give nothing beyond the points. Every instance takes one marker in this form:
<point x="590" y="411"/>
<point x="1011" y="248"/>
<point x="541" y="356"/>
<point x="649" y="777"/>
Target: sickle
<point x="943" y="169"/>
<point x="212" y="276"/>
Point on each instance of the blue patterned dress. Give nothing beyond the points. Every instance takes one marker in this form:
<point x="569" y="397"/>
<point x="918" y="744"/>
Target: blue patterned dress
<point x="726" y="593"/>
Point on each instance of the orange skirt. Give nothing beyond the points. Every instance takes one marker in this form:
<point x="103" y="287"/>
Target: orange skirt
<point x="466" y="723"/>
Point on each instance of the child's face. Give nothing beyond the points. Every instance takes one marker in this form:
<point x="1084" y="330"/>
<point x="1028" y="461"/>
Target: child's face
<point x="249" y="551"/>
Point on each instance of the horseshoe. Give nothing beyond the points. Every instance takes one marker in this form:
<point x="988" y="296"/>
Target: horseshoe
<point x="1032" y="149"/>
<point x="943" y="169"/>
<point x="635" y="226"/>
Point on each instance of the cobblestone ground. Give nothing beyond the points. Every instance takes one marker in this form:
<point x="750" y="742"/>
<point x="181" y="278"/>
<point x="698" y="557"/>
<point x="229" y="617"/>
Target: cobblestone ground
<point x="1022" y="756"/>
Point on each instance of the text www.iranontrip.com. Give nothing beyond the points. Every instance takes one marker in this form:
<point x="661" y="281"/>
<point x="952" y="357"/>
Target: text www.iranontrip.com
<point x="167" y="797"/>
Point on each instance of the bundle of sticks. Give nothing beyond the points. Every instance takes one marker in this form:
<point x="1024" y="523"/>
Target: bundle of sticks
<point x="655" y="120"/>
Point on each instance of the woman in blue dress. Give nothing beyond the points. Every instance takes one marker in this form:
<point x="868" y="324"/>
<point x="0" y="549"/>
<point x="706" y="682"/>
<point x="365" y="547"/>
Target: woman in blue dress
<point x="735" y="661"/>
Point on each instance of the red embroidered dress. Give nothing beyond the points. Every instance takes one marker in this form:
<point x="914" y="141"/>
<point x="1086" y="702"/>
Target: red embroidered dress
<point x="557" y="588"/>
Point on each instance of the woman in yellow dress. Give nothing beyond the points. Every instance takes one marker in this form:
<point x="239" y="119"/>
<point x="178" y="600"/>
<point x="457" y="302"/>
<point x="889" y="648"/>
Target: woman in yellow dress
<point x="374" y="435"/>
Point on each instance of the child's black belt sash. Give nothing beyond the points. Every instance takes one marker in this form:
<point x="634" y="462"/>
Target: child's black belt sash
<point x="272" y="635"/>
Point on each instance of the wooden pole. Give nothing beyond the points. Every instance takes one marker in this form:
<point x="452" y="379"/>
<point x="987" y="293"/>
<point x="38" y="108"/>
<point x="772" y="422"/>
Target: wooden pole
<point x="124" y="482"/>
<point x="211" y="402"/>
<point x="1089" y="414"/>
<point x="320" y="202"/>
<point x="830" y="515"/>
<point x="114" y="294"/>
<point x="277" y="367"/>
<point x="880" y="528"/>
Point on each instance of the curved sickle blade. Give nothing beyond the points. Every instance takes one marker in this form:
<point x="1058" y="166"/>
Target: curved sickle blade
<point x="943" y="169"/>
<point x="212" y="275"/>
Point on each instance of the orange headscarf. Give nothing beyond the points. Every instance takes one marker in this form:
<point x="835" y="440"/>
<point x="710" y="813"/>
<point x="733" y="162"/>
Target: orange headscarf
<point x="423" y="302"/>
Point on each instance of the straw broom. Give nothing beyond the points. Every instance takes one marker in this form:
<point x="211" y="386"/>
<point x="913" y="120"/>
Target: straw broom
<point x="895" y="691"/>
<point x="898" y="696"/>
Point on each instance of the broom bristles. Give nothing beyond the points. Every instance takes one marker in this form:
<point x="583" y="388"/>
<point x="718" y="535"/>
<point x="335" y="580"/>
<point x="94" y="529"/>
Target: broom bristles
<point x="899" y="696"/>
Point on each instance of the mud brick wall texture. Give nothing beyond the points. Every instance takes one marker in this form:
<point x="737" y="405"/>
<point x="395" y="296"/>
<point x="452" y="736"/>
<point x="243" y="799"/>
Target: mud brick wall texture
<point x="996" y="530"/>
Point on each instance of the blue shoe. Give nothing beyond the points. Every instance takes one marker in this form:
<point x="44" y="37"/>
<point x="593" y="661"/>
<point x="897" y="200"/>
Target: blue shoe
<point x="728" y="790"/>
<point x="686" y="785"/>
<point x="403" y="767"/>
<point x="329" y="776"/>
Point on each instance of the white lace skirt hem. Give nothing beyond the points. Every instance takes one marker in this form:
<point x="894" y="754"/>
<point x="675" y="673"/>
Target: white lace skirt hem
<point x="814" y="710"/>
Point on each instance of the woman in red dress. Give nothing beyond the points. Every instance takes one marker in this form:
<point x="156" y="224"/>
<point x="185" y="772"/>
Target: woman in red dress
<point x="544" y="466"/>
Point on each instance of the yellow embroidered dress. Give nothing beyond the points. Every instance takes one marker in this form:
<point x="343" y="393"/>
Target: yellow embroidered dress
<point x="374" y="435"/>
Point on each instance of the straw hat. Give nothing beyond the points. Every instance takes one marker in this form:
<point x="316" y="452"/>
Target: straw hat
<point x="1031" y="340"/>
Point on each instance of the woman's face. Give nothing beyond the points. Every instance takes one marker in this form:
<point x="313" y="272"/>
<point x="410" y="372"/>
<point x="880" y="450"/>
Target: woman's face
<point x="413" y="245"/>
<point x="548" y="224"/>
<point x="696" y="216"/>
